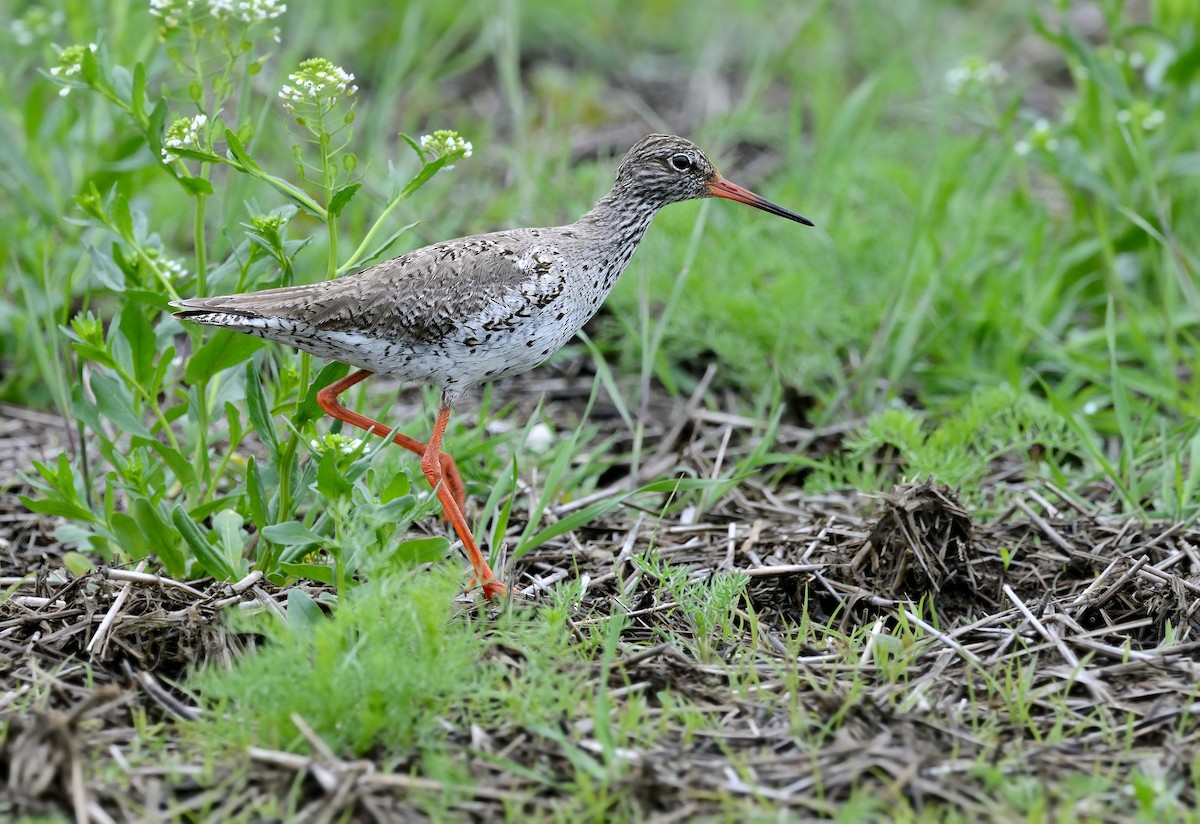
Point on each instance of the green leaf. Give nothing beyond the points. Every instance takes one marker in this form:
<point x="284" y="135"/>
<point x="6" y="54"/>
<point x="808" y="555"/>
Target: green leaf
<point x="259" y="414"/>
<point x="155" y="125"/>
<point x="256" y="501"/>
<point x="130" y="540"/>
<point x="292" y="533"/>
<point x="239" y="151"/>
<point x="321" y="573"/>
<point x="105" y="269"/>
<point x="59" y="508"/>
<point x="330" y="481"/>
<point x="78" y="564"/>
<point x="422" y="550"/>
<point x="382" y="248"/>
<point x="203" y="511"/>
<point x="231" y="538"/>
<point x="115" y="403"/>
<point x="214" y="562"/>
<point x="342" y="197"/>
<point x="224" y="349"/>
<point x="196" y="185"/>
<point x="142" y="345"/>
<point x="137" y="95"/>
<point x="163" y="540"/>
<point x="397" y="487"/>
<point x="303" y="614"/>
<point x="122" y="216"/>
<point x="309" y="409"/>
<point x="184" y="469"/>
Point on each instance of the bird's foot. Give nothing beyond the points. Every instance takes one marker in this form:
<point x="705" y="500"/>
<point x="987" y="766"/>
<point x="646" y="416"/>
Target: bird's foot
<point x="491" y="588"/>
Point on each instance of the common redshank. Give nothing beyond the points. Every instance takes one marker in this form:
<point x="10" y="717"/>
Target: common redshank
<point x="472" y="310"/>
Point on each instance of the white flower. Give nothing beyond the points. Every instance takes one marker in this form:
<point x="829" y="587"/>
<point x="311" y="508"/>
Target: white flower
<point x="1142" y="113"/>
<point x="338" y="442"/>
<point x="173" y="267"/>
<point x="443" y="142"/>
<point x="248" y="11"/>
<point x="184" y="133"/>
<point x="317" y="80"/>
<point x="1040" y="137"/>
<point x="70" y="63"/>
<point x="973" y="73"/>
<point x="171" y="12"/>
<point x="540" y="438"/>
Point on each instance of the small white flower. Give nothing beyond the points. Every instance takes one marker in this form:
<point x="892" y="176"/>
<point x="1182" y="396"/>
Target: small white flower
<point x="317" y="80"/>
<point x="443" y="142"/>
<point x="339" y="443"/>
<point x="1040" y="137"/>
<point x="171" y="12"/>
<point x="540" y="438"/>
<point x="974" y="73"/>
<point x="1153" y="120"/>
<point x="184" y="133"/>
<point x="173" y="267"/>
<point x="1124" y="116"/>
<point x="70" y="63"/>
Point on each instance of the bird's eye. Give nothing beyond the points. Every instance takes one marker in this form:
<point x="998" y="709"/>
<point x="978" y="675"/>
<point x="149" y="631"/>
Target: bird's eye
<point x="681" y="162"/>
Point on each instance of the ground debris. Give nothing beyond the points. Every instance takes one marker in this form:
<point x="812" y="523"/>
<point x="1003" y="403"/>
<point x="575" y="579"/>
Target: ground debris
<point x="893" y="646"/>
<point x="921" y="543"/>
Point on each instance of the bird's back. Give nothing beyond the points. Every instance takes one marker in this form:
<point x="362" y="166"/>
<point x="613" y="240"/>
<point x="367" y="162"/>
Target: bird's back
<point x="454" y="313"/>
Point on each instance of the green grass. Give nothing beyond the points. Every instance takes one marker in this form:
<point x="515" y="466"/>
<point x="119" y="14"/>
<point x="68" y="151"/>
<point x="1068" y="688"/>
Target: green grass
<point x="980" y="287"/>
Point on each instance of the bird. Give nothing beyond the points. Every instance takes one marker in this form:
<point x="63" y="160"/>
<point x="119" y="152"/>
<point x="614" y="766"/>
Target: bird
<point x="465" y="312"/>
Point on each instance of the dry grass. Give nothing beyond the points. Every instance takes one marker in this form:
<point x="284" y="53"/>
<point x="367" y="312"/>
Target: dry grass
<point x="891" y="652"/>
<point x="894" y="649"/>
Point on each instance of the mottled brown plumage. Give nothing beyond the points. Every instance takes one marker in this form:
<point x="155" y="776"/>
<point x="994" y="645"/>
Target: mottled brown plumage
<point x="467" y="311"/>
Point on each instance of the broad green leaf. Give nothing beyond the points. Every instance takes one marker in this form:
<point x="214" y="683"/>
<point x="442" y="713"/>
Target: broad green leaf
<point x="142" y="345"/>
<point x="60" y="508"/>
<point x="130" y="539"/>
<point x="259" y="413"/>
<point x="330" y="481"/>
<point x="137" y="95"/>
<point x="196" y="185"/>
<point x="309" y="409"/>
<point x="303" y="614"/>
<point x="239" y="151"/>
<point x="342" y="197"/>
<point x="105" y="269"/>
<point x="163" y="540"/>
<point x="292" y="533"/>
<point x="321" y="573"/>
<point x="422" y="550"/>
<point x="181" y="465"/>
<point x="224" y="349"/>
<point x="231" y="538"/>
<point x="256" y="501"/>
<point x="115" y="403"/>
<point x="209" y="558"/>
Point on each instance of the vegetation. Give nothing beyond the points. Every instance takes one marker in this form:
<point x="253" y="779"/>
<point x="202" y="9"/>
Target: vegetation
<point x="1000" y="293"/>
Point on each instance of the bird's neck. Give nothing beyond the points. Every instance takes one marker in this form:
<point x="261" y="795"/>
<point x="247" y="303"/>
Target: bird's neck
<point x="621" y="217"/>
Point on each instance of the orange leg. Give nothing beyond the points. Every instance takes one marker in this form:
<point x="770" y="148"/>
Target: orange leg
<point x="327" y="399"/>
<point x="433" y="468"/>
<point x="439" y="468"/>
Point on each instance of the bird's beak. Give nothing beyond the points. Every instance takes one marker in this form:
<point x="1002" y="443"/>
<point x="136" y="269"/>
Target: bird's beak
<point x="720" y="187"/>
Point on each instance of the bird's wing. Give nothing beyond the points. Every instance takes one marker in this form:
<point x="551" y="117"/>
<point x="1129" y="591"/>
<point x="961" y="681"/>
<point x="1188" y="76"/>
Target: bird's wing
<point x="419" y="296"/>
